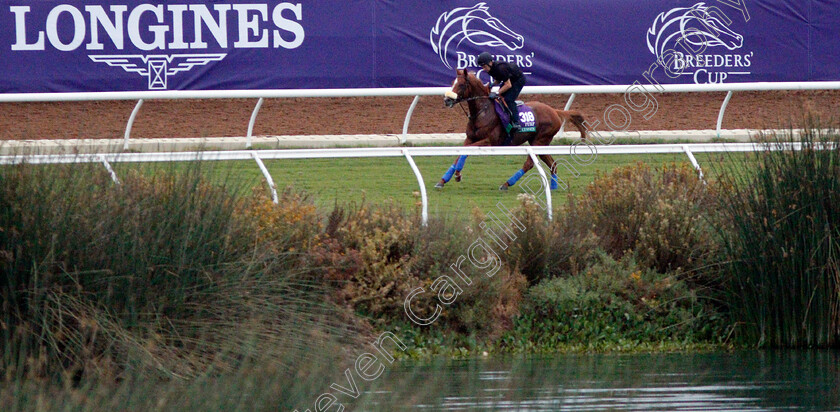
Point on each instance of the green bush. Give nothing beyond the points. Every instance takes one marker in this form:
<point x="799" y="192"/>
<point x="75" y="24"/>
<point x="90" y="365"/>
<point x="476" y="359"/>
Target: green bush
<point x="659" y="216"/>
<point x="609" y="303"/>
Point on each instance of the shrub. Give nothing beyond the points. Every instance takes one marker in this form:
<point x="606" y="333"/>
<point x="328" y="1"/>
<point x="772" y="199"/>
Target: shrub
<point x="293" y="223"/>
<point x="610" y="302"/>
<point x="366" y="252"/>
<point x="547" y="249"/>
<point x="657" y="215"/>
<point x="488" y="306"/>
<point x="379" y="255"/>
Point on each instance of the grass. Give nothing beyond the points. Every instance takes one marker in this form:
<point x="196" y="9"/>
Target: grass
<point x="348" y="181"/>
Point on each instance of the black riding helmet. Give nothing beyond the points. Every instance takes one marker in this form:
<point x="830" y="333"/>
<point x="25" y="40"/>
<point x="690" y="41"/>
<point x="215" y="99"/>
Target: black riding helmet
<point x="484" y="58"/>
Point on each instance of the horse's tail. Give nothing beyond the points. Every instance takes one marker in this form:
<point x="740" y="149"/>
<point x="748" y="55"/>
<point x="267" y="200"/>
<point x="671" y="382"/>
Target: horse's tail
<point x="576" y="118"/>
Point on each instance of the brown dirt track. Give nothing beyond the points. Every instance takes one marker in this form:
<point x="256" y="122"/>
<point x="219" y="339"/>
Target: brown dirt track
<point x="380" y="115"/>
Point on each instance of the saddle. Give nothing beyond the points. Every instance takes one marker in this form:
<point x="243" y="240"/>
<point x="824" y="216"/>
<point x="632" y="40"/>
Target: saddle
<point x="527" y="120"/>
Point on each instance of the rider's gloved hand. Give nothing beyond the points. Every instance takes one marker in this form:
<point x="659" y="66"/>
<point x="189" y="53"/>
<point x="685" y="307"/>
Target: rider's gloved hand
<point x="493" y="95"/>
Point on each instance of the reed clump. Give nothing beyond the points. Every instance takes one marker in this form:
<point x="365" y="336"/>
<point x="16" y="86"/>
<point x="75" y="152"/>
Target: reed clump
<point x="165" y="279"/>
<point x="782" y="240"/>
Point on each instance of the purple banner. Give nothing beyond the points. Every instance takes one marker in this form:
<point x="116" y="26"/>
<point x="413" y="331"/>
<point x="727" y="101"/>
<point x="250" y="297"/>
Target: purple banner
<point x="94" y="46"/>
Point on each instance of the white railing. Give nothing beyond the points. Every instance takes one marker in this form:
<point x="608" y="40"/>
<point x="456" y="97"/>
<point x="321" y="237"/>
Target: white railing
<point x="407" y="152"/>
<point x="140" y="96"/>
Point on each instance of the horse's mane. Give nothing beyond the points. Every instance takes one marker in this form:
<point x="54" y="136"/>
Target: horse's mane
<point x="476" y="81"/>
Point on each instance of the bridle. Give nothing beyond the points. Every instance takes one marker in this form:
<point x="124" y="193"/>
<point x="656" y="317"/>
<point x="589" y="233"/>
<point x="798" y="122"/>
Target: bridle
<point x="452" y="102"/>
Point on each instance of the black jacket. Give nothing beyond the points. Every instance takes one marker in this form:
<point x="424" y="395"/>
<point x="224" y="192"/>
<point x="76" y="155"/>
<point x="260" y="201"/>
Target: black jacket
<point x="503" y="71"/>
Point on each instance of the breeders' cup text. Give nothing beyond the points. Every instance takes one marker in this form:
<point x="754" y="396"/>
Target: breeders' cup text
<point x="469" y="60"/>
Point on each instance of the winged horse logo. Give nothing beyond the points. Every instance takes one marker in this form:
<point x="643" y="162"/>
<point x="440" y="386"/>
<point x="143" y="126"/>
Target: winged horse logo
<point x="157" y="67"/>
<point x="699" y="25"/>
<point x="474" y="24"/>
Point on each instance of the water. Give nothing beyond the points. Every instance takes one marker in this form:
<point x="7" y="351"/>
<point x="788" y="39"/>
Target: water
<point x="744" y="381"/>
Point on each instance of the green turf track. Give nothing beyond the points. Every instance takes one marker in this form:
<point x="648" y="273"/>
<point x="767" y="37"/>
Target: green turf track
<point x="376" y="180"/>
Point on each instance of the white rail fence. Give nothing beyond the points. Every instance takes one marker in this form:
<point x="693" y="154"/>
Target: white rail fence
<point x="261" y="95"/>
<point x="406" y="152"/>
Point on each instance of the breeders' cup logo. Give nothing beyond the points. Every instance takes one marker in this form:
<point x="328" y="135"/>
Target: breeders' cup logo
<point x="157" y="29"/>
<point x="680" y="38"/>
<point x="477" y="26"/>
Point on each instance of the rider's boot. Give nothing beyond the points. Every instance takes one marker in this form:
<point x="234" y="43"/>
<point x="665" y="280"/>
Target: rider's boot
<point x="514" y="119"/>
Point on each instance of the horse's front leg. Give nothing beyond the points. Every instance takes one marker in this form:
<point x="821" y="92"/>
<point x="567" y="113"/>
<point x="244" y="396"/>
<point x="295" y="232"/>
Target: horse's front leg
<point x="460" y="162"/>
<point x="529" y="164"/>
<point x="454" y="169"/>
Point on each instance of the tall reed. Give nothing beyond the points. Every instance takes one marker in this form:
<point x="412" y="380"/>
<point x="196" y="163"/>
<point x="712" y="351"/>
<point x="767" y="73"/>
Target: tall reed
<point x="783" y="245"/>
<point x="163" y="274"/>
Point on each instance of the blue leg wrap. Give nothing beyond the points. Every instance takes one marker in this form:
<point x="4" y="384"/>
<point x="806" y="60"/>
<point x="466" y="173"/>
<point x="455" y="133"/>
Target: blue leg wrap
<point x="515" y="178"/>
<point x="459" y="165"/>
<point x="554" y="183"/>
<point x="448" y="174"/>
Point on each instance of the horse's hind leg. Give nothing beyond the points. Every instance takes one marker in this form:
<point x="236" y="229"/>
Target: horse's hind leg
<point x="455" y="169"/>
<point x="518" y="175"/>
<point x="552" y="166"/>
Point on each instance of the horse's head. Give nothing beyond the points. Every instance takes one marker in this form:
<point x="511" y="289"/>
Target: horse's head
<point x="708" y="26"/>
<point x="474" y="24"/>
<point x="465" y="87"/>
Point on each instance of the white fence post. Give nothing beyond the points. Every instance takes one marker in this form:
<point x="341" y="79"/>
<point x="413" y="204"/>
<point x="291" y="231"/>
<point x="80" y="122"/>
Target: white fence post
<point x="408" y="119"/>
<point x="693" y="160"/>
<point x="423" y="198"/>
<point x="109" y="169"/>
<point x="568" y="105"/>
<point x="253" y="120"/>
<point x="268" y="178"/>
<point x="545" y="178"/>
<point x="722" y="109"/>
<point x="131" y="123"/>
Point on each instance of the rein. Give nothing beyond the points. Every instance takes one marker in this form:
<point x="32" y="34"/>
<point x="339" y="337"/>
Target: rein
<point x="468" y="99"/>
<point x="459" y="101"/>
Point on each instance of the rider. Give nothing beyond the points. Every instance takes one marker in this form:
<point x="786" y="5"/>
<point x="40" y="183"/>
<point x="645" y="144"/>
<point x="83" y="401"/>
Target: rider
<point x="511" y="79"/>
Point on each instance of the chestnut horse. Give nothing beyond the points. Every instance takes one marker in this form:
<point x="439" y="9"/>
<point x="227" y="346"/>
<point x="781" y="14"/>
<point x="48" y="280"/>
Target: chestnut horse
<point x="485" y="128"/>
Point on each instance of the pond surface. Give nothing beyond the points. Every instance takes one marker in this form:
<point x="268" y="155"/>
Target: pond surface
<point x="744" y="381"/>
